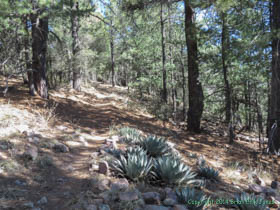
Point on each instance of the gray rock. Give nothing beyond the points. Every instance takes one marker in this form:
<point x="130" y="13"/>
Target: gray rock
<point x="31" y="153"/>
<point x="275" y="185"/>
<point x="169" y="202"/>
<point x="106" y="196"/>
<point x="43" y="201"/>
<point x="151" y="197"/>
<point x="103" y="184"/>
<point x="270" y="192"/>
<point x="259" y="181"/>
<point x="29" y="204"/>
<point x="20" y="183"/>
<point x="155" y="207"/>
<point x="104" y="207"/>
<point x="97" y="201"/>
<point x="94" y="154"/>
<point x="179" y="207"/>
<point x="36" y="208"/>
<point x="128" y="196"/>
<point x="91" y="207"/>
<point x="59" y="147"/>
<point x="119" y="185"/>
<point x="103" y="167"/>
<point x="256" y="188"/>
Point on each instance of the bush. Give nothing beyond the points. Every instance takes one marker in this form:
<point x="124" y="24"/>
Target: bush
<point x="193" y="199"/>
<point x="155" y="146"/>
<point x="246" y="201"/>
<point x="136" y="166"/>
<point x="172" y="171"/>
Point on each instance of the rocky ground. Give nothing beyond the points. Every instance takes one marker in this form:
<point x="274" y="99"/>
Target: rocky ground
<point x="53" y="154"/>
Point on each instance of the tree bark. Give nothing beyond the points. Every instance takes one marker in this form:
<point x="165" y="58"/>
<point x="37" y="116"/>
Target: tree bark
<point x="164" y="91"/>
<point x="39" y="50"/>
<point x="225" y="44"/>
<point x="195" y="89"/>
<point x="75" y="45"/>
<point x="112" y="54"/>
<point x="27" y="61"/>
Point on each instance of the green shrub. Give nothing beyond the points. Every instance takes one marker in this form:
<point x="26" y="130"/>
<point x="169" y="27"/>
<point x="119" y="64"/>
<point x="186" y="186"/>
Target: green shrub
<point x="246" y="201"/>
<point x="192" y="198"/>
<point x="173" y="171"/>
<point x="155" y="146"/>
<point x="136" y="166"/>
<point x="208" y="173"/>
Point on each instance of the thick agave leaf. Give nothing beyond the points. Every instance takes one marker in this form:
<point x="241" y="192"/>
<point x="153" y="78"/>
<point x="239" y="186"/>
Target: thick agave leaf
<point x="193" y="199"/>
<point x="246" y="201"/>
<point x="130" y="135"/>
<point x="136" y="150"/>
<point x="208" y="173"/>
<point x="135" y="166"/>
<point x="155" y="146"/>
<point x="174" y="172"/>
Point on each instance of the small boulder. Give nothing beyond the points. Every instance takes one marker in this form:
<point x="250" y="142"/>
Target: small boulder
<point x="259" y="181"/>
<point x="155" y="207"/>
<point x="256" y="188"/>
<point x="59" y="147"/>
<point x="119" y="185"/>
<point x="179" y="207"/>
<point x="151" y="197"/>
<point x="104" y="207"/>
<point x="270" y="192"/>
<point x="29" y="205"/>
<point x="169" y="202"/>
<point x="275" y="185"/>
<point x="128" y="196"/>
<point x="97" y="201"/>
<point x="31" y="153"/>
<point x="91" y="207"/>
<point x="43" y="201"/>
<point x="103" y="184"/>
<point x="103" y="167"/>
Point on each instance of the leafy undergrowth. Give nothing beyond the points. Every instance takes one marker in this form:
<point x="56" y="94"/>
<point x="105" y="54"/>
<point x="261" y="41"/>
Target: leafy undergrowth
<point x="50" y="152"/>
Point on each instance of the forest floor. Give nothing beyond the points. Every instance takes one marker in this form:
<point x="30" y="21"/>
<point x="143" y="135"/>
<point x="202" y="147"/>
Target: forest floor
<point x="82" y="121"/>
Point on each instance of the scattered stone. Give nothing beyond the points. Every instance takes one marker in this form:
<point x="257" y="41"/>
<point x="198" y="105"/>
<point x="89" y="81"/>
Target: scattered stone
<point x="128" y="196"/>
<point x="151" y="197"/>
<point x="103" y="167"/>
<point x="119" y="185"/>
<point x="31" y="153"/>
<point x="256" y="188"/>
<point x="155" y="207"/>
<point x="91" y="207"/>
<point x="259" y="181"/>
<point x="94" y="167"/>
<point x="20" y="183"/>
<point x="270" y="192"/>
<point x="29" y="204"/>
<point x="94" y="154"/>
<point x="43" y="201"/>
<point x="275" y="185"/>
<point x="170" y="194"/>
<point x="169" y="202"/>
<point x="179" y="207"/>
<point x="97" y="201"/>
<point x="59" y="147"/>
<point x="104" y="207"/>
<point x="103" y="184"/>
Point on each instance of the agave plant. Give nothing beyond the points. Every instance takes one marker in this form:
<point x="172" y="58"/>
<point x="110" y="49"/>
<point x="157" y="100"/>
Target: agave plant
<point x="208" y="173"/>
<point x="245" y="201"/>
<point x="193" y="199"/>
<point x="136" y="150"/>
<point x="130" y="135"/>
<point x="136" y="166"/>
<point x="114" y="152"/>
<point x="173" y="171"/>
<point x="155" y="146"/>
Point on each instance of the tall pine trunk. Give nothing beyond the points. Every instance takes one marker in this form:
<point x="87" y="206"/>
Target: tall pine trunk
<point x="112" y="49"/>
<point x="164" y="91"/>
<point x="225" y="40"/>
<point x="39" y="50"/>
<point x="195" y="89"/>
<point x="75" y="45"/>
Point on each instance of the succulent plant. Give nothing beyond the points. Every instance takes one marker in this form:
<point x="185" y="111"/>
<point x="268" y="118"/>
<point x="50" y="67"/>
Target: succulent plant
<point x="208" y="173"/>
<point x="130" y="135"/>
<point x="135" y="150"/>
<point x="136" y="166"/>
<point x="173" y="171"/>
<point x="155" y="146"/>
<point x="245" y="201"/>
<point x="192" y="198"/>
<point x="114" y="152"/>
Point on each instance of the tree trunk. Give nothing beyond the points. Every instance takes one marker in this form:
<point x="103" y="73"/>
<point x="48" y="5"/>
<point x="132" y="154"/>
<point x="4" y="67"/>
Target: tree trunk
<point x="39" y="51"/>
<point x="225" y="44"/>
<point x="75" y="45"/>
<point x="275" y="67"/>
<point x="112" y="54"/>
<point x="27" y="61"/>
<point x="183" y="83"/>
<point x="195" y="89"/>
<point x="164" y="91"/>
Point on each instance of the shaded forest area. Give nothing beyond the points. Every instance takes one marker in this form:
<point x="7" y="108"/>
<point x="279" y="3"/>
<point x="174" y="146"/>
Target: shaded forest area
<point x="139" y="104"/>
